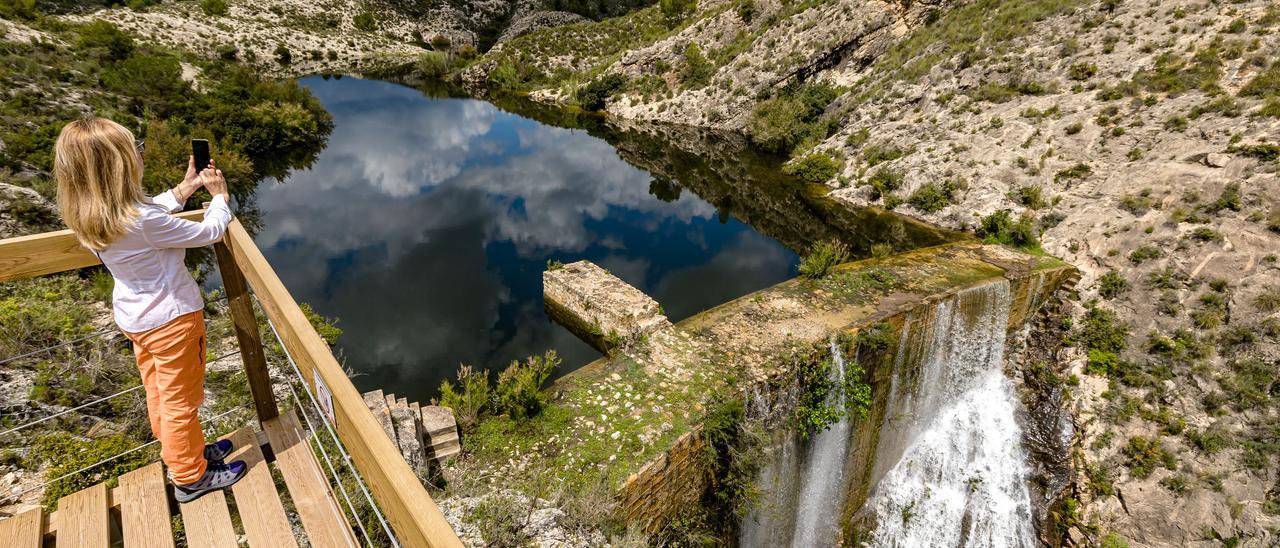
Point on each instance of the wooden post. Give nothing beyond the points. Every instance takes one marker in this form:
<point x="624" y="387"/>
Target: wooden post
<point x="246" y="326"/>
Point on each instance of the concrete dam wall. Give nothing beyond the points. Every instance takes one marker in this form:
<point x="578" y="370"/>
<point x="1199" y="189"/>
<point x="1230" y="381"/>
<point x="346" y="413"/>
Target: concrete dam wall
<point x="934" y="461"/>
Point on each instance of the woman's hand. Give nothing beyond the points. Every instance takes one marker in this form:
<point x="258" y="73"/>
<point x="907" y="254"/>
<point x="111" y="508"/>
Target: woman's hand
<point x="212" y="180"/>
<point x="190" y="182"/>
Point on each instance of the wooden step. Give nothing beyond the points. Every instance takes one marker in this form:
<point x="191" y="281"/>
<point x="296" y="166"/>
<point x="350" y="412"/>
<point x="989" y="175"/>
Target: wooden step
<point x="257" y="500"/>
<point x="144" y="508"/>
<point x="324" y="522"/>
<point x="83" y="519"/>
<point x="207" y="521"/>
<point x="25" y="530"/>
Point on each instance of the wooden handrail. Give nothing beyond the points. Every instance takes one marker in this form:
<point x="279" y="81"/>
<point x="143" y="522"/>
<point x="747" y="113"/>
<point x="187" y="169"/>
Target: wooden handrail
<point x="408" y="507"/>
<point x="51" y="252"/>
<point x="404" y="501"/>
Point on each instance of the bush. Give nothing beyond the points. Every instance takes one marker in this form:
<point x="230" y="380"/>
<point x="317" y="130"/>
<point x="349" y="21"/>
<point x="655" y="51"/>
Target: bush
<point x="432" y="64"/>
<point x="469" y="399"/>
<point x="213" y="8"/>
<point x="18" y="9"/>
<point x="151" y="82"/>
<point x="1031" y="196"/>
<point x="63" y="454"/>
<point x="1144" y="254"/>
<point x="823" y="257"/>
<point x="883" y="182"/>
<point x="594" y="95"/>
<point x="519" y="392"/>
<point x="697" y="70"/>
<point x="785" y="122"/>
<point x="364" y="21"/>
<point x="440" y="42"/>
<point x="817" y="168"/>
<point x="1101" y="330"/>
<point x="675" y="11"/>
<point x="283" y="55"/>
<point x="111" y="43"/>
<point x="1000" y="228"/>
<point x="1145" y="455"/>
<point x="932" y="197"/>
<point x="1082" y="71"/>
<point x="1112" y="284"/>
<point x="1269" y="300"/>
<point x="1078" y="171"/>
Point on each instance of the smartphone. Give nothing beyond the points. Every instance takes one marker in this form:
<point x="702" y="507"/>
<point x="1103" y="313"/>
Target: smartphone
<point x="200" y="149"/>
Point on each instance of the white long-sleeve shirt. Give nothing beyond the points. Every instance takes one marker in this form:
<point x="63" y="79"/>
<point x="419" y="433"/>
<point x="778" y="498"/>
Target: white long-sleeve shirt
<point x="153" y="285"/>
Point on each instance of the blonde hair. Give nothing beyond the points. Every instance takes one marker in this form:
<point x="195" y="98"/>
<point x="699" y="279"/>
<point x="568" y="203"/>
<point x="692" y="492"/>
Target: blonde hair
<point x="99" y="178"/>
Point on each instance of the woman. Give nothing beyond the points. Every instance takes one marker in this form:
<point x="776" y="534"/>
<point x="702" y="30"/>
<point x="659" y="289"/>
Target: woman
<point x="156" y="302"/>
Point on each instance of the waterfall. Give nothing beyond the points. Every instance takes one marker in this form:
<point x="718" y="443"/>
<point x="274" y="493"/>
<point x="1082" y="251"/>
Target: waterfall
<point x="822" y="484"/>
<point x="961" y="479"/>
<point x="949" y="469"/>
<point x="803" y="482"/>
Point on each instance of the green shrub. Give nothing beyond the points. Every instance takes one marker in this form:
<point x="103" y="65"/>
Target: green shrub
<point x="1078" y="171"/>
<point x="283" y="55"/>
<point x="596" y="93"/>
<point x="1082" y="71"/>
<point x="106" y="40"/>
<point x="364" y="21"/>
<point x="504" y="75"/>
<point x="1144" y="254"/>
<point x="932" y="197"/>
<point x="697" y="71"/>
<point x="1031" y="196"/>
<point x="1102" y="330"/>
<point x="823" y="257"/>
<point x="1001" y="228"/>
<point x="518" y="393"/>
<point x="794" y="117"/>
<point x="879" y="153"/>
<point x="432" y="64"/>
<point x="441" y="42"/>
<point x="213" y="8"/>
<point x="883" y="182"/>
<point x="1268" y="300"/>
<point x="1112" y="284"/>
<point x="1265" y="84"/>
<point x="61" y="454"/>
<point x="469" y="399"/>
<point x="1173" y="74"/>
<point x="1263" y="151"/>
<point x="817" y="407"/>
<point x="1147" y="454"/>
<point x="675" y="11"/>
<point x="18" y="9"/>
<point x="817" y="168"/>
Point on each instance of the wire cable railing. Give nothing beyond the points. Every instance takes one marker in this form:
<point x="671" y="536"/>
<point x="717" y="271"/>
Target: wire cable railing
<point x="92" y="403"/>
<point x="99" y="333"/>
<point x="117" y="456"/>
<point x="338" y="444"/>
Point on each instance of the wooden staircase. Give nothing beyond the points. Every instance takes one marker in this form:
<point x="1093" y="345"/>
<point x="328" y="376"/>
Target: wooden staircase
<point x="427" y="435"/>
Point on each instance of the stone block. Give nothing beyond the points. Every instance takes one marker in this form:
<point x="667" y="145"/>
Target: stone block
<point x="598" y="307"/>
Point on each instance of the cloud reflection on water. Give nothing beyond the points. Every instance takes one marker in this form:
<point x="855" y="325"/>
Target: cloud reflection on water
<point x="426" y="223"/>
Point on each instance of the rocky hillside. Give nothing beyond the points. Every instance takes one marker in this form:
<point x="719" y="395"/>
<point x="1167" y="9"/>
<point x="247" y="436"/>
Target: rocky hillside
<point x="292" y="37"/>
<point x="1138" y="140"/>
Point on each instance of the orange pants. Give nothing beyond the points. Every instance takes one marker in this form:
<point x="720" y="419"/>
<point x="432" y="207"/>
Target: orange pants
<point x="171" y="361"/>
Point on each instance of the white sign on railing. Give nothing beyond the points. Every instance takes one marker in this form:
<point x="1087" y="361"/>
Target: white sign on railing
<point x="324" y="397"/>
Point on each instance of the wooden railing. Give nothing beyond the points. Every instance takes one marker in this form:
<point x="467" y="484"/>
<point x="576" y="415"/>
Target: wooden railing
<point x="412" y="514"/>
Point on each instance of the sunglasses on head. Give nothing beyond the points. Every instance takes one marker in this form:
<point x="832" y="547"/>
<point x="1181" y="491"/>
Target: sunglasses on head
<point x="141" y="145"/>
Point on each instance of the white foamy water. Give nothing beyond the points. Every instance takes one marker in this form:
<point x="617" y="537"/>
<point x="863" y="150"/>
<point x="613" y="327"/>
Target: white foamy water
<point x="822" y="483"/>
<point x="961" y="479"/>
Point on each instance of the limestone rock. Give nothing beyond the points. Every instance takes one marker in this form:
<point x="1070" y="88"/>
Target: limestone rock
<point x="1216" y="159"/>
<point x="599" y="307"/>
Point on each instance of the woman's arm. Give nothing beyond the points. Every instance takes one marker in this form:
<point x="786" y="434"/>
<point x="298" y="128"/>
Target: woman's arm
<point x="173" y="198"/>
<point x="162" y="231"/>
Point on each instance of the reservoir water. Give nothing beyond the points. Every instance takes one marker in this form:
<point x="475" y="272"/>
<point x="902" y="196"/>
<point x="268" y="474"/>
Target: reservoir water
<point x="425" y="225"/>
